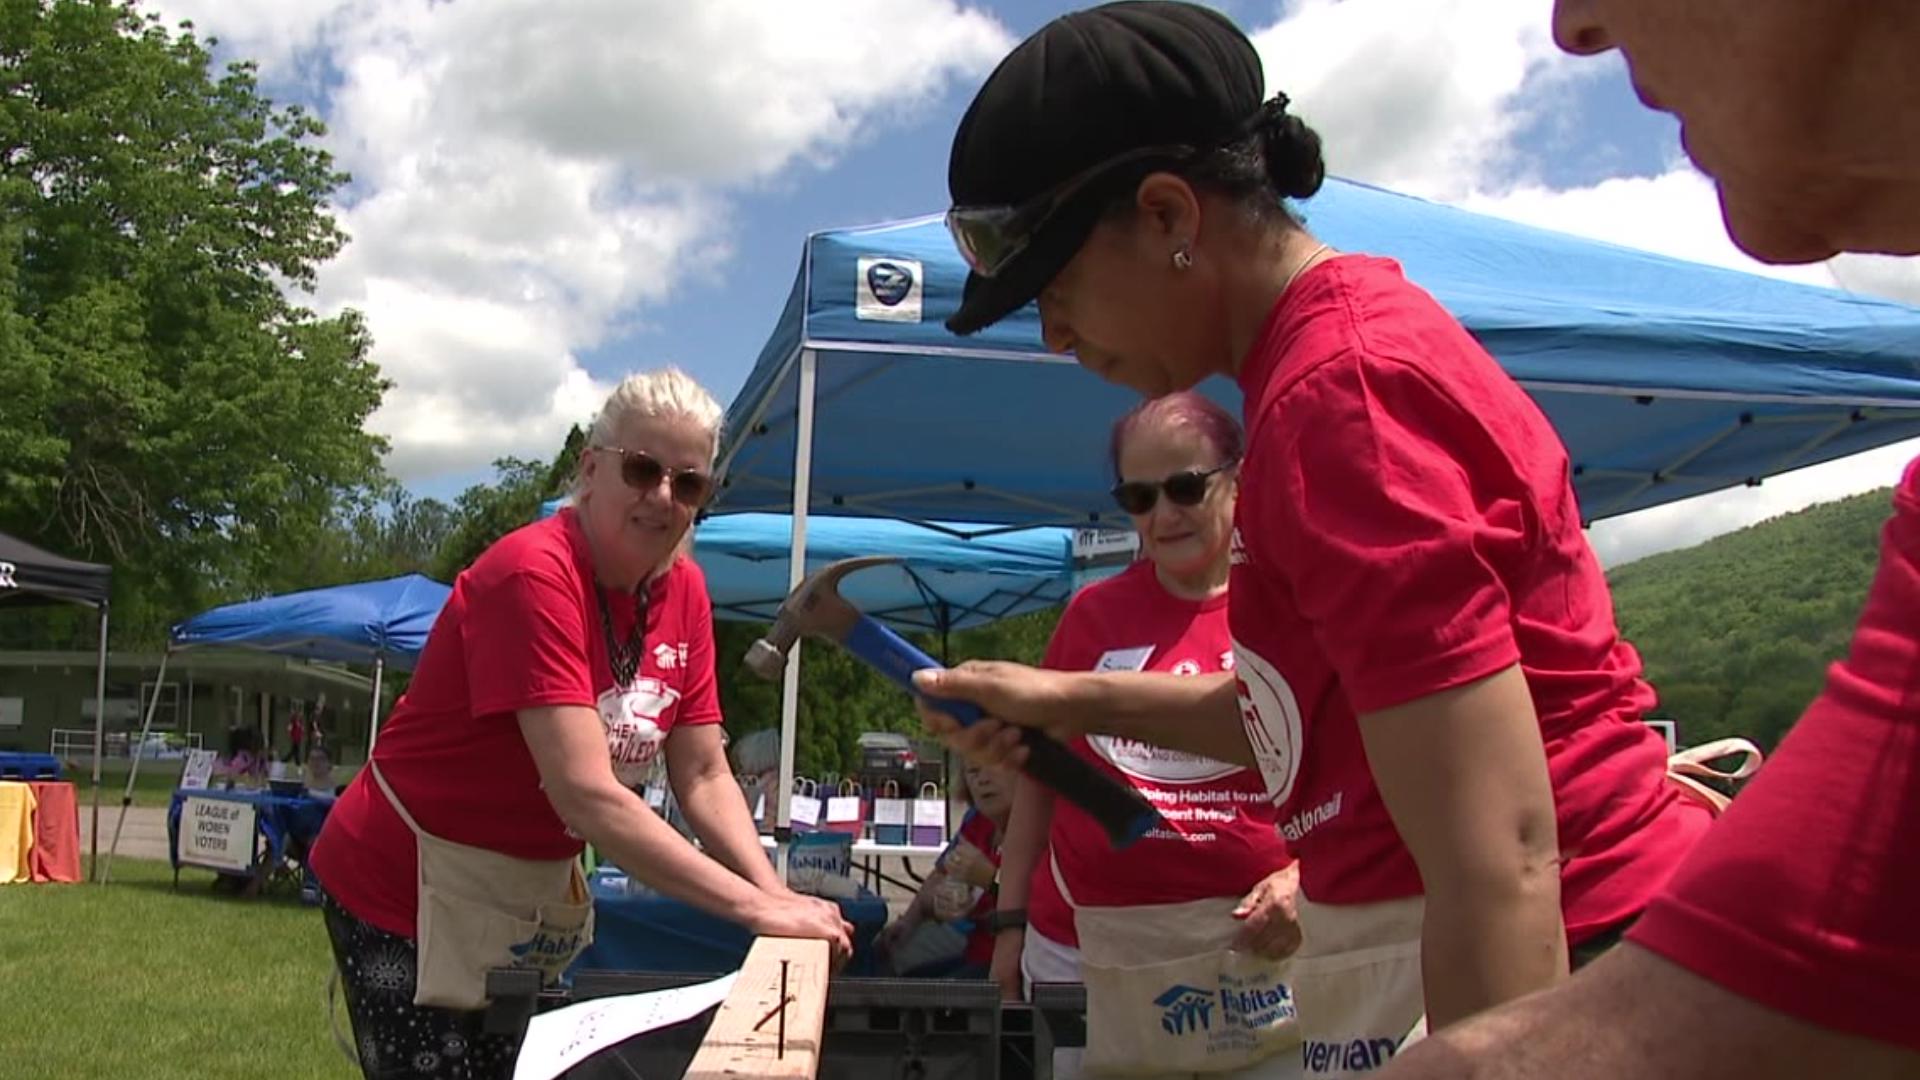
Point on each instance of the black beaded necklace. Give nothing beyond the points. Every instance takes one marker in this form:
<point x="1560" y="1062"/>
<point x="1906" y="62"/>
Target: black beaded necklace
<point x="624" y="657"/>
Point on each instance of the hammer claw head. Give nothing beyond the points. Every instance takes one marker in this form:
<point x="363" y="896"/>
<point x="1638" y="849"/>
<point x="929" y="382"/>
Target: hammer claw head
<point x="814" y="607"/>
<point x="766" y="659"/>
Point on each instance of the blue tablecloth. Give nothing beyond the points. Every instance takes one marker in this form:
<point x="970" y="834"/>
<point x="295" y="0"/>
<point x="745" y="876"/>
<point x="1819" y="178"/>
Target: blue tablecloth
<point x="652" y="933"/>
<point x="15" y="765"/>
<point x="288" y="823"/>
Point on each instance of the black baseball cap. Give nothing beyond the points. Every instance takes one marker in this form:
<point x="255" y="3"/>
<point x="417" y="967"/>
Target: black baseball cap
<point x="1093" y="99"/>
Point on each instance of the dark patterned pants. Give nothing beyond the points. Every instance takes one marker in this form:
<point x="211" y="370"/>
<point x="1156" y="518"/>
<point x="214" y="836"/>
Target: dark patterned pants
<point x="396" y="1039"/>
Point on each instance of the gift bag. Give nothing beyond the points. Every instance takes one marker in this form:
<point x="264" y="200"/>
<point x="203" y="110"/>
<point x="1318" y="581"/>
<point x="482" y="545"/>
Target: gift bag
<point x="929" y="817"/>
<point x="890" y="815"/>
<point x="805" y="807"/>
<point x="844" y="811"/>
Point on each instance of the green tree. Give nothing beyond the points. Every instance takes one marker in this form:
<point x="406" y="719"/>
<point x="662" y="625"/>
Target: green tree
<point x="170" y="408"/>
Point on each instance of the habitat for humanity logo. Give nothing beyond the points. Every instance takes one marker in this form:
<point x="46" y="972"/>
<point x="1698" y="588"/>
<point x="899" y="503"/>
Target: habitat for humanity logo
<point x="1188" y="1009"/>
<point x="888" y="290"/>
<point x="1245" y="1006"/>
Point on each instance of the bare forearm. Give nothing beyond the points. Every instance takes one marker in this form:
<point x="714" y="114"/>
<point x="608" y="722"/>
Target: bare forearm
<point x="1600" y="1024"/>
<point x="1027" y="827"/>
<point x="719" y="816"/>
<point x="620" y="826"/>
<point x="1197" y="714"/>
<point x="1484" y="946"/>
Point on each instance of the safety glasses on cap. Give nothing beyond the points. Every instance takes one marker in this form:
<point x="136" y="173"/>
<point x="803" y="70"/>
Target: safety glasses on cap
<point x="643" y="472"/>
<point x="990" y="237"/>
<point x="1185" y="488"/>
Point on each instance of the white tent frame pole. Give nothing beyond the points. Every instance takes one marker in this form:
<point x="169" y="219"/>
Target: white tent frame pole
<point x="373" y="714"/>
<point x="796" y="572"/>
<point x="99" y="741"/>
<point x="133" y="773"/>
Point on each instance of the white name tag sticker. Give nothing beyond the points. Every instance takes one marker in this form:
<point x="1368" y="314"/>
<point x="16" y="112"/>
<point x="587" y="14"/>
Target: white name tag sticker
<point x="1134" y="659"/>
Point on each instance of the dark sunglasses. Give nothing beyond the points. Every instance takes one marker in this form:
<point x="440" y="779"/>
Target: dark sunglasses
<point x="990" y="237"/>
<point x="690" y="487"/>
<point x="1183" y="489"/>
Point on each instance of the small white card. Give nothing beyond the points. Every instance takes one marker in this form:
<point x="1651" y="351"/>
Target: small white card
<point x="930" y="812"/>
<point x="889" y="811"/>
<point x="805" y="810"/>
<point x="1134" y="659"/>
<point x="843" y="808"/>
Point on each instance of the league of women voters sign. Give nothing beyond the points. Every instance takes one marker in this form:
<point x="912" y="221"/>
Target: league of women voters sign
<point x="217" y="834"/>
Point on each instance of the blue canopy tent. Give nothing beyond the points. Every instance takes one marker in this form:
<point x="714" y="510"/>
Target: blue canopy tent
<point x="380" y="622"/>
<point x="1665" y="379"/>
<point x="945" y="580"/>
<point x="384" y="623"/>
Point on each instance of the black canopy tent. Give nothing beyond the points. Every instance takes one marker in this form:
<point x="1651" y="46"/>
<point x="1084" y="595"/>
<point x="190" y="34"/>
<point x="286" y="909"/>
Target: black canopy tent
<point x="29" y="575"/>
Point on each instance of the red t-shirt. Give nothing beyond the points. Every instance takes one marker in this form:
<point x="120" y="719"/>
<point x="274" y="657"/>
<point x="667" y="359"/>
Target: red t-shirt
<point x="521" y="630"/>
<point x="1805" y="897"/>
<point x="977" y="829"/>
<point x="1406" y="525"/>
<point x="1220" y="838"/>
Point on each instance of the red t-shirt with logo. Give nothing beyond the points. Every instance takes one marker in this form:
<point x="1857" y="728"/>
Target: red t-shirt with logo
<point x="522" y="629"/>
<point x="1805" y="897"/>
<point x="1406" y="524"/>
<point x="1220" y="838"/>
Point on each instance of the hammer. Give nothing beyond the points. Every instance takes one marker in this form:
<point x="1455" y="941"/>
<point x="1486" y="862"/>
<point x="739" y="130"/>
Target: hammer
<point x="817" y="608"/>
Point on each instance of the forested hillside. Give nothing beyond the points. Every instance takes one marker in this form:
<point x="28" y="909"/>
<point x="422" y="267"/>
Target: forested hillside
<point x="1737" y="632"/>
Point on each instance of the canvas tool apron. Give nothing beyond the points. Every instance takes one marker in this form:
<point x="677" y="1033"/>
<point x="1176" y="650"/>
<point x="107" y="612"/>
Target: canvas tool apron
<point x="480" y="909"/>
<point x="1166" y="992"/>
<point x="1357" y="981"/>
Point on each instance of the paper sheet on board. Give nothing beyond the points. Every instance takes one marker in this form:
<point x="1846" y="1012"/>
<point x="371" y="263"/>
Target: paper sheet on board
<point x="558" y="1040"/>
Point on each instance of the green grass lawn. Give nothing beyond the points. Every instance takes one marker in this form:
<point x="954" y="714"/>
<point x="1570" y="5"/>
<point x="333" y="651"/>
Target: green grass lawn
<point x="135" y="980"/>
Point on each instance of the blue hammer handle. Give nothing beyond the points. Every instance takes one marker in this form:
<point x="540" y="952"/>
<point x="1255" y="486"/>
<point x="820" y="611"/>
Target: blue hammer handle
<point x="1118" y="808"/>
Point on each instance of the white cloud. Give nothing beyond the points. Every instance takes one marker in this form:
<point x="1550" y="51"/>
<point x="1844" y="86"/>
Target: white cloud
<point x="1420" y="97"/>
<point x="528" y="175"/>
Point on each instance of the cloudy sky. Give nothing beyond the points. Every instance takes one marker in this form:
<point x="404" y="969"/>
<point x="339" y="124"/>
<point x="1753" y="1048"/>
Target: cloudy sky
<point x="548" y="193"/>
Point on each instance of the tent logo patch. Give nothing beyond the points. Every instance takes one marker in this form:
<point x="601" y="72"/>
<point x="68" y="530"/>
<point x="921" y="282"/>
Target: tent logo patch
<point x="888" y="290"/>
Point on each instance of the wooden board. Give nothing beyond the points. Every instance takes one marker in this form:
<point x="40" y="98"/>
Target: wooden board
<point x="745" y="1037"/>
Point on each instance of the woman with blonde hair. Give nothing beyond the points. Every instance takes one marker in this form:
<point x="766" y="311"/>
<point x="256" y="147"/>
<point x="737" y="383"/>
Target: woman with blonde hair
<point x="571" y="654"/>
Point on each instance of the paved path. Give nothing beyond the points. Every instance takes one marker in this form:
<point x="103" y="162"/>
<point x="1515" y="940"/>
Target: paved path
<point x="144" y="836"/>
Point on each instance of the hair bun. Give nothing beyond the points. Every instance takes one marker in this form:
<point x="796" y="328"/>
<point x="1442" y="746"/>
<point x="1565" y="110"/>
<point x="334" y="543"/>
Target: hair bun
<point x="1295" y="166"/>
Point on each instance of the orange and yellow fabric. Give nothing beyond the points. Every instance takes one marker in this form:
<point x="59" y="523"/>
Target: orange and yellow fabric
<point x="56" y="832"/>
<point x="16" y="832"/>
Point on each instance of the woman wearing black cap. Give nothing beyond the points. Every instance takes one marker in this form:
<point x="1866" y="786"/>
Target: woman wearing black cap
<point x="1427" y="666"/>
